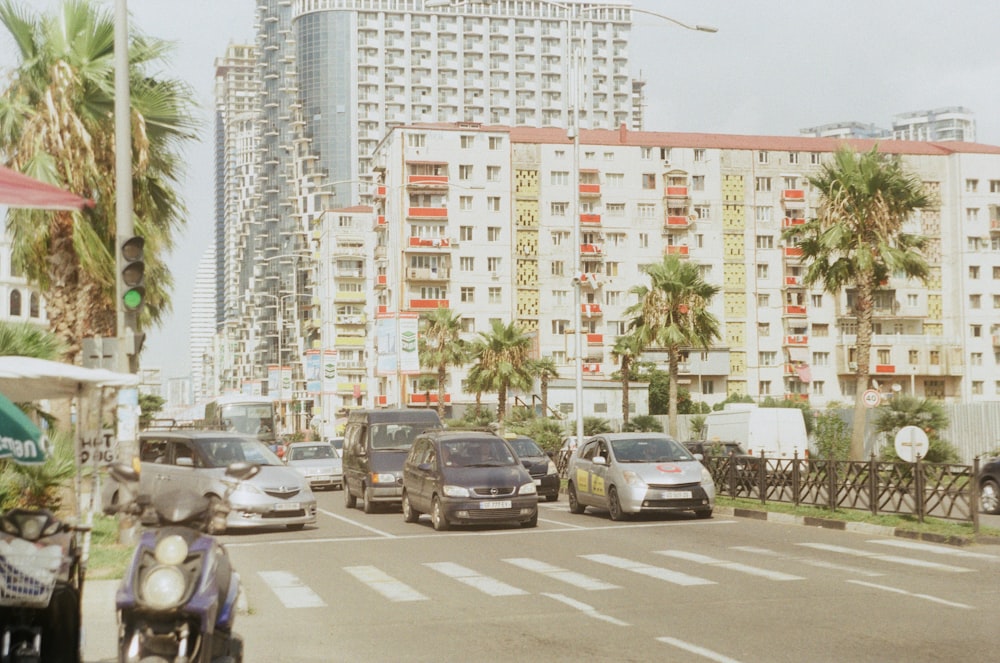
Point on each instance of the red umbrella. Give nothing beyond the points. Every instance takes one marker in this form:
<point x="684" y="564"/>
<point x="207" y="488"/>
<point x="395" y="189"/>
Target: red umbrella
<point x="17" y="190"/>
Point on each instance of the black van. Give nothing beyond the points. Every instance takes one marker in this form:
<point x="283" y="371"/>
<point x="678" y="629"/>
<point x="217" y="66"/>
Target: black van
<point x="375" y="446"/>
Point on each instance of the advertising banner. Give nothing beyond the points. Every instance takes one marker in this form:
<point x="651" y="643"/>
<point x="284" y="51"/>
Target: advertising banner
<point x="313" y="368"/>
<point x="329" y="371"/>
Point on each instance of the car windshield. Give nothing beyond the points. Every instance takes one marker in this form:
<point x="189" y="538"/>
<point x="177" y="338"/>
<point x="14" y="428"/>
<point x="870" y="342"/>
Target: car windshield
<point x="476" y="453"/>
<point x="311" y="452"/>
<point x="649" y="450"/>
<point x="225" y="451"/>
<point x="394" y="437"/>
<point x="525" y="447"/>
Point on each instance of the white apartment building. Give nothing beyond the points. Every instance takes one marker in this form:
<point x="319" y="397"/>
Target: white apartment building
<point x="939" y="124"/>
<point x="476" y="218"/>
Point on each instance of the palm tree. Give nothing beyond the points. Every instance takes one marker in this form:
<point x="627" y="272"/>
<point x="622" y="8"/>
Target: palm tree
<point x="23" y="339"/>
<point x="441" y="346"/>
<point x="857" y="241"/>
<point x="503" y="361"/>
<point x="627" y="348"/>
<point x="672" y="314"/>
<point x="57" y="125"/>
<point x="545" y="368"/>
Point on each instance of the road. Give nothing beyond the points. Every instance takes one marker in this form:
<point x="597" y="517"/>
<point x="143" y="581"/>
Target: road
<point x="370" y="587"/>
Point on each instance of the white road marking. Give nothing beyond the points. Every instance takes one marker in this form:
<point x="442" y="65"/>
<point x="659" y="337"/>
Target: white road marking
<point x="290" y="590"/>
<point x="385" y="584"/>
<point x="695" y="649"/>
<point x="645" y="569"/>
<point x="926" y="597"/>
<point x="572" y="577"/>
<point x="894" y="559"/>
<point x="732" y="566"/>
<point x="588" y="610"/>
<point x="357" y="524"/>
<point x="932" y="548"/>
<point x="485" y="584"/>
<point x="819" y="563"/>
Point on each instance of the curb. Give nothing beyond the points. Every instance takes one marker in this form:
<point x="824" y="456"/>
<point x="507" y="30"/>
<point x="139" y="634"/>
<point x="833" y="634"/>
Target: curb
<point x="863" y="528"/>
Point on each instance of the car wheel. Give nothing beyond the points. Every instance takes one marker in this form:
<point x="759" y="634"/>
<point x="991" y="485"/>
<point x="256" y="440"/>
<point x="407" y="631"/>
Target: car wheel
<point x="350" y="501"/>
<point x="574" y="504"/>
<point x="410" y="514"/>
<point x="369" y="505"/>
<point x="989" y="496"/>
<point x="552" y="498"/>
<point x="531" y="523"/>
<point x="437" y="515"/>
<point x="703" y="513"/>
<point x="615" y="505"/>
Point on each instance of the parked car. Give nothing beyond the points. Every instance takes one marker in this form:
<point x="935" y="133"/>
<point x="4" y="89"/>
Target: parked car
<point x="715" y="448"/>
<point x="541" y="468"/>
<point x="197" y="459"/>
<point x="318" y="462"/>
<point x="337" y="443"/>
<point x="989" y="486"/>
<point x="630" y="473"/>
<point x="467" y="477"/>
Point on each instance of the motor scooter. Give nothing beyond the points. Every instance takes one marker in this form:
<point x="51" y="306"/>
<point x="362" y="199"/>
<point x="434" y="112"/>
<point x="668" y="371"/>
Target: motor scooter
<point x="41" y="585"/>
<point x="177" y="601"/>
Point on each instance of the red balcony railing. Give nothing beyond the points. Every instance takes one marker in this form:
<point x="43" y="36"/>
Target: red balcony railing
<point x="428" y="180"/>
<point x="678" y="222"/>
<point x="793" y="251"/>
<point x="382" y="400"/>
<point x="591" y="250"/>
<point x="795" y="310"/>
<point x="430" y="242"/>
<point x="676" y="250"/>
<point x="424" y="304"/>
<point x="590" y="219"/>
<point x="422" y="399"/>
<point x="381" y="280"/>
<point x="676" y="192"/>
<point x="592" y="369"/>
<point x="590" y="309"/>
<point x="791" y="222"/>
<point x="590" y="189"/>
<point x="885" y="368"/>
<point x="793" y="194"/>
<point x="595" y="339"/>
<point x="797" y="398"/>
<point x="427" y="212"/>
<point x="797" y="339"/>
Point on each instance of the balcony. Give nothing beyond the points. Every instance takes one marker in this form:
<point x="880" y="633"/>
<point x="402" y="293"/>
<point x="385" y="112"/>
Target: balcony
<point x="885" y="369"/>
<point x="428" y="304"/>
<point x="427" y="212"/>
<point x="425" y="398"/>
<point x="677" y="223"/>
<point x="381" y="280"/>
<point x="381" y="400"/>
<point x="352" y="319"/>
<point x="346" y="297"/>
<point x="680" y="250"/>
<point x="380" y="191"/>
<point x="676" y="192"/>
<point x="428" y="274"/>
<point x="793" y="251"/>
<point x="795" y="311"/>
<point x="592" y="369"/>
<point x="590" y="219"/>
<point x="591" y="250"/>
<point x="995" y="225"/>
<point x="427" y="181"/>
<point x="590" y="190"/>
<point x="797" y="339"/>
<point x="794" y="281"/>
<point x="595" y="339"/>
<point x="380" y="223"/>
<point x="793" y="195"/>
<point x="996" y="340"/>
<point x="789" y="222"/>
<point x="429" y="243"/>
<point x="343" y="341"/>
<point x="797" y="398"/>
<point x="591" y="309"/>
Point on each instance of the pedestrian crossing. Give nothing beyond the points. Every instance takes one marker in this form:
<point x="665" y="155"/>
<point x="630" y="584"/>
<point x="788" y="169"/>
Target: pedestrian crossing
<point x="603" y="572"/>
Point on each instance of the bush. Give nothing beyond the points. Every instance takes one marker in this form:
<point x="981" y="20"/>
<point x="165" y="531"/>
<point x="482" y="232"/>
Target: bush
<point x="34" y="486"/>
<point x="833" y="436"/>
<point x="644" y="423"/>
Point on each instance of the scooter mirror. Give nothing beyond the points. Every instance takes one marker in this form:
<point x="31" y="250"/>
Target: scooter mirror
<point x="122" y="472"/>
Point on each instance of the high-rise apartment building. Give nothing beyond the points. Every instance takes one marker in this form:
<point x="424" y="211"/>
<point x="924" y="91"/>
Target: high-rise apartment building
<point x="939" y="124"/>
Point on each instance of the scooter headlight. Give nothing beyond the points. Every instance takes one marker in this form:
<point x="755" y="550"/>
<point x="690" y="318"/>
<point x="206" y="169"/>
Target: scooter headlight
<point x="163" y="587"/>
<point x="171" y="550"/>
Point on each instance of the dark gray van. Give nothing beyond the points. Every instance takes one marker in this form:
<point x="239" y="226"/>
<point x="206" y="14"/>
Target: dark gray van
<point x="375" y="446"/>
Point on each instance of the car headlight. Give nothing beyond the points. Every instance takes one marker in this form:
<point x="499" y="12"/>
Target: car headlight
<point x="632" y="479"/>
<point x="455" y="491"/>
<point x="706" y="477"/>
<point x="527" y="489"/>
<point x="163" y="587"/>
<point x="171" y="550"/>
<point x="383" y="477"/>
<point x="248" y="488"/>
<point x="551" y="469"/>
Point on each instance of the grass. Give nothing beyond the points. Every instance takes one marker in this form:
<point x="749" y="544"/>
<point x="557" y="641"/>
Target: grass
<point x="108" y="558"/>
<point x="948" y="528"/>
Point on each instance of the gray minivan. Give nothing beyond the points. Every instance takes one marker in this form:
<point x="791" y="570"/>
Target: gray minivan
<point x="375" y="446"/>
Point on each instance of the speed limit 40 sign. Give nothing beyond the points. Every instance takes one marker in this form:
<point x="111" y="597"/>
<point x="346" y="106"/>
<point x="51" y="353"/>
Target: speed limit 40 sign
<point x="871" y="398"/>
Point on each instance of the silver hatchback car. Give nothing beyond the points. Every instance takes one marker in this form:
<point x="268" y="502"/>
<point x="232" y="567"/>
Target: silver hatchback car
<point x="196" y="460"/>
<point x="630" y="473"/>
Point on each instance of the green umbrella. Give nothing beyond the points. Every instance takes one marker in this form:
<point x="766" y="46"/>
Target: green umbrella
<point x="20" y="438"/>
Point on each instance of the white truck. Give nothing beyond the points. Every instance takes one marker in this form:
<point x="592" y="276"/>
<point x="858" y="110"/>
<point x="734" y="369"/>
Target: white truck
<point x="774" y="432"/>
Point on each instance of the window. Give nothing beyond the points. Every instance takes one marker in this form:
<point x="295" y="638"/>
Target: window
<point x="762" y="184"/>
<point x="765" y="241"/>
<point x="495" y="295"/>
<point x="465" y="233"/>
<point x="493" y="233"/>
<point x="821" y="331"/>
<point x="699" y="154"/>
<point x="762" y="156"/>
<point x="467" y="294"/>
<point x="814" y="158"/>
<point x="994" y="186"/>
<point x="790" y="182"/>
<point x="972" y="214"/>
<point x="467" y="142"/>
<point x="646" y="154"/>
<point x="767" y="358"/>
<point x="793" y="157"/>
<point x="976" y="359"/>
<point x="912" y="300"/>
<point x="817" y="300"/>
<point x="493" y="173"/>
<point x="708" y="387"/>
<point x="821" y="359"/>
<point x="15" y="302"/>
<point x="464" y="172"/>
<point x="698" y="183"/>
<point x="971" y="186"/>
<point x="465" y="203"/>
<point x="817" y="387"/>
<point x="560" y="296"/>
<point x="559" y="177"/>
<point x="996" y="273"/>
<point x="763" y="213"/>
<point x="560" y="326"/>
<point x="416" y="140"/>
<point x="558" y="209"/>
<point x="883" y="356"/>
<point x="703" y="212"/>
<point x="611" y="268"/>
<point x="764" y="386"/>
<point x="467" y="264"/>
<point x="560" y="154"/>
<point x="996" y="301"/>
<point x="614" y="180"/>
<point x="762" y="271"/>
<point x="763" y="328"/>
<point x="974" y="243"/>
<point x="559" y="236"/>
<point x="643" y="240"/>
<point x="934" y="357"/>
<point x="645" y="211"/>
<point x="558" y="268"/>
<point x="496" y="142"/>
<point x="609" y="156"/>
<point x="763" y="300"/>
<point x="614" y="298"/>
<point x="615" y="209"/>
<point x="975" y="301"/>
<point x="914" y="356"/>
<point x="977" y="387"/>
<point x="977" y="331"/>
<point x="648" y="181"/>
<point x="493" y="203"/>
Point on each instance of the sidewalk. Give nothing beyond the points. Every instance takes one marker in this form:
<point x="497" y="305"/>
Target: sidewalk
<point x="100" y="623"/>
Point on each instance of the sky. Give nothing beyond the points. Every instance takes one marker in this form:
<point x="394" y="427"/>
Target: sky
<point x="773" y="68"/>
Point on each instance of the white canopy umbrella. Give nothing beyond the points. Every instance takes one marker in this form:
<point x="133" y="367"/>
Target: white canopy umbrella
<point x="24" y="379"/>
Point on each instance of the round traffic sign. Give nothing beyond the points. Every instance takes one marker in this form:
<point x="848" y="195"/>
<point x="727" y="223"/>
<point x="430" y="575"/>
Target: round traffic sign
<point x="871" y="398"/>
<point x="911" y="441"/>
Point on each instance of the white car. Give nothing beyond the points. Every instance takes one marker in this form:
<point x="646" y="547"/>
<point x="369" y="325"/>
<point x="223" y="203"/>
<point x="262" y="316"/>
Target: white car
<point x="318" y="462"/>
<point x="631" y="473"/>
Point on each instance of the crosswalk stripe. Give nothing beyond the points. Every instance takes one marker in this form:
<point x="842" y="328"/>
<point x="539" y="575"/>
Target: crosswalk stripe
<point x="926" y="597"/>
<point x="818" y="563"/>
<point x="588" y="610"/>
<point x="290" y="590"/>
<point x="571" y="577"/>
<point x="951" y="551"/>
<point x="732" y="566"/>
<point x="894" y="559"/>
<point x="384" y="584"/>
<point x="695" y="649"/>
<point x="485" y="584"/>
<point x="645" y="569"/>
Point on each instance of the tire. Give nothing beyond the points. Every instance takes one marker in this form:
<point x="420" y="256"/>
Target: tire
<point x="989" y="496"/>
<point x="437" y="516"/>
<point x="574" y="504"/>
<point x="350" y="501"/>
<point x="703" y="513"/>
<point x="410" y="514"/>
<point x="554" y="497"/>
<point x="615" y="505"/>
<point x="531" y="523"/>
<point x="369" y="505"/>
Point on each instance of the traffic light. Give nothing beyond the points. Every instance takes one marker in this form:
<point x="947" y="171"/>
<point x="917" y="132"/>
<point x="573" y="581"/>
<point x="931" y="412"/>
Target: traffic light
<point x="133" y="274"/>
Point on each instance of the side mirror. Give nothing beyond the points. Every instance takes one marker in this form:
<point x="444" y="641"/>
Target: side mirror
<point x="699" y="457"/>
<point x="123" y="473"/>
<point x="242" y="470"/>
<point x="599" y="460"/>
<point x="424" y="467"/>
<point x="526" y="463"/>
<point x="185" y="462"/>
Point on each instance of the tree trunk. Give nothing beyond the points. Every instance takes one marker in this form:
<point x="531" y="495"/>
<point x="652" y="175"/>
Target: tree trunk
<point x="672" y="353"/>
<point x="501" y="404"/>
<point x="864" y="310"/>
<point x="545" y="394"/>
<point x="625" y="366"/>
<point x="441" y="377"/>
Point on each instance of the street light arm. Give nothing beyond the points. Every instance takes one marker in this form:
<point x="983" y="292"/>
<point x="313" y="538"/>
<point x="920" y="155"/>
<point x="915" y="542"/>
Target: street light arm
<point x="649" y="12"/>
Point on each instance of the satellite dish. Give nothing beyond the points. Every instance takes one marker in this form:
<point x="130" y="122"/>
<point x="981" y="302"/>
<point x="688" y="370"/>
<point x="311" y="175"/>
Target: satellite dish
<point x="875" y="383"/>
<point x="897" y="388"/>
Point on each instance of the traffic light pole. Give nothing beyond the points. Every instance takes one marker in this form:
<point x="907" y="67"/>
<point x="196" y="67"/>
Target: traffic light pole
<point x="124" y="225"/>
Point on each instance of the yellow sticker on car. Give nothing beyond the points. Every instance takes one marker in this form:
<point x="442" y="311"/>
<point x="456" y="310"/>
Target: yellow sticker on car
<point x="596" y="484"/>
<point x="581" y="481"/>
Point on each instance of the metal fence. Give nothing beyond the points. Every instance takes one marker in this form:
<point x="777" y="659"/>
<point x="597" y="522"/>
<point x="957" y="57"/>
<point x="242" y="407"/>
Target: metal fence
<point x="939" y="490"/>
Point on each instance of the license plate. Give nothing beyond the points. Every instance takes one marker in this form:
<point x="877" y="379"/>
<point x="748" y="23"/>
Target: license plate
<point x="288" y="506"/>
<point x="500" y="504"/>
<point x="538" y="482"/>
<point x="677" y="494"/>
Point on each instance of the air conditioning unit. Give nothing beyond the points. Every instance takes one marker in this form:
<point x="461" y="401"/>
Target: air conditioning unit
<point x="495" y="275"/>
<point x="666" y="163"/>
<point x="852" y="365"/>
